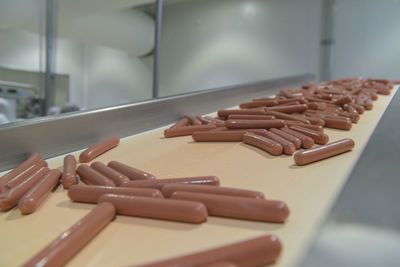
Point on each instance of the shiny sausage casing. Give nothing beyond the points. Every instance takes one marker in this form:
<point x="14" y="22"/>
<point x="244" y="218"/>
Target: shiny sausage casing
<point x="222" y="135"/>
<point x="264" y="143"/>
<point x="319" y="138"/>
<point x="317" y="128"/>
<point x="20" y="178"/>
<point x="284" y="116"/>
<point x="250" y="117"/>
<point x="115" y="176"/>
<point x="98" y="149"/>
<point x="288" y="109"/>
<point x="254" y="124"/>
<point x="130" y="172"/>
<point x="322" y="152"/>
<point x="306" y="142"/>
<point x="226" y="112"/>
<point x="296" y="141"/>
<point x="159" y="183"/>
<point x="238" y="207"/>
<point x="68" y="177"/>
<point x="34" y="158"/>
<point x="66" y="245"/>
<point x="218" y="190"/>
<point x="91" y="176"/>
<point x="187" y="130"/>
<point x="91" y="193"/>
<point x="257" y="251"/>
<point x="10" y="198"/>
<point x="157" y="208"/>
<point x="288" y="147"/>
<point x="31" y="200"/>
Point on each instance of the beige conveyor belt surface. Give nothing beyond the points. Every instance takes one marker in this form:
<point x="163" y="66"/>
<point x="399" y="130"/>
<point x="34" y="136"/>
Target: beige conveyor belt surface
<point x="309" y="192"/>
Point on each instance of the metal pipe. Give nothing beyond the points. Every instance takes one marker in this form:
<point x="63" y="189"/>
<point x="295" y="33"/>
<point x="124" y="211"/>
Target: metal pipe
<point x="327" y="41"/>
<point x="49" y="79"/>
<point x="157" y="46"/>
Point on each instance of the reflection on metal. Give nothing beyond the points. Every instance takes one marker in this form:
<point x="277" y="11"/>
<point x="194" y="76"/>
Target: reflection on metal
<point x="14" y="85"/>
<point x="55" y="135"/>
<point x="157" y="47"/>
<point x="327" y="41"/>
<point x="363" y="228"/>
<point x="49" y="82"/>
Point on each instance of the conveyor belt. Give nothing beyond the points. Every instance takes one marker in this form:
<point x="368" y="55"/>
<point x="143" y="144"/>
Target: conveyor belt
<point x="309" y="191"/>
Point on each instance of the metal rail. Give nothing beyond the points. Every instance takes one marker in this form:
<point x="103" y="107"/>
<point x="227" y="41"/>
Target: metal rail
<point x="55" y="135"/>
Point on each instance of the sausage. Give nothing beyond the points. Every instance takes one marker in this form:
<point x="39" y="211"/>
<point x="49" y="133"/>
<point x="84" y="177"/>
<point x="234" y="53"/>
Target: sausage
<point x="250" y="117"/>
<point x="238" y="207"/>
<point x="159" y="183"/>
<point x="218" y="136"/>
<point x="34" y="158"/>
<point x="66" y="245"/>
<point x="306" y="142"/>
<point x="157" y="208"/>
<point x="317" y="105"/>
<point x="312" y="120"/>
<point x="205" y="120"/>
<point x="222" y="135"/>
<point x="288" y="147"/>
<point x="98" y="149"/>
<point x="219" y="190"/>
<point x="319" y="138"/>
<point x="31" y="200"/>
<point x="254" y="124"/>
<point x="181" y="123"/>
<point x="293" y="139"/>
<point x="91" y="176"/>
<point x="226" y="112"/>
<point x="68" y="177"/>
<point x="360" y="109"/>
<point x="260" y="103"/>
<point x="300" y="99"/>
<point x="115" y="176"/>
<point x="284" y="116"/>
<point x="343" y="100"/>
<point x="264" y="143"/>
<point x="193" y="120"/>
<point x="187" y="130"/>
<point x="317" y="128"/>
<point x="91" y="193"/>
<point x="257" y="251"/>
<point x="24" y="175"/>
<point x="130" y="172"/>
<point x="322" y="152"/>
<point x="288" y="109"/>
<point x="10" y="198"/>
<point x="341" y="123"/>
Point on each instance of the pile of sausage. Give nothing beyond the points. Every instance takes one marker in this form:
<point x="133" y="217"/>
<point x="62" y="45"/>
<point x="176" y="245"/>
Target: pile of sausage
<point x="292" y="119"/>
<point x="117" y="188"/>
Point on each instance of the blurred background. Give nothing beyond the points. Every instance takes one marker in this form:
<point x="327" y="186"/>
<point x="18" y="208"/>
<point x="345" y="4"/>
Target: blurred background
<point x="59" y="56"/>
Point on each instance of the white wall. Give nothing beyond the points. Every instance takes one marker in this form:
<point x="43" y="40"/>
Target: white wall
<point x="98" y="76"/>
<point x="367" y="36"/>
<point x="208" y="44"/>
<point x="115" y="77"/>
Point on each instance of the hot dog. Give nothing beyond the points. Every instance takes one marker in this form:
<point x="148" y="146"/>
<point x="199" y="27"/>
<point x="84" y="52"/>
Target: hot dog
<point x="219" y="190"/>
<point x="91" y="193"/>
<point x="157" y="208"/>
<point x="264" y="143"/>
<point x="249" y="253"/>
<point x="130" y="172"/>
<point x="66" y="245"/>
<point x="115" y="176"/>
<point x="98" y="149"/>
<point x="159" y="183"/>
<point x="32" y="199"/>
<point x="91" y="176"/>
<point x="69" y="173"/>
